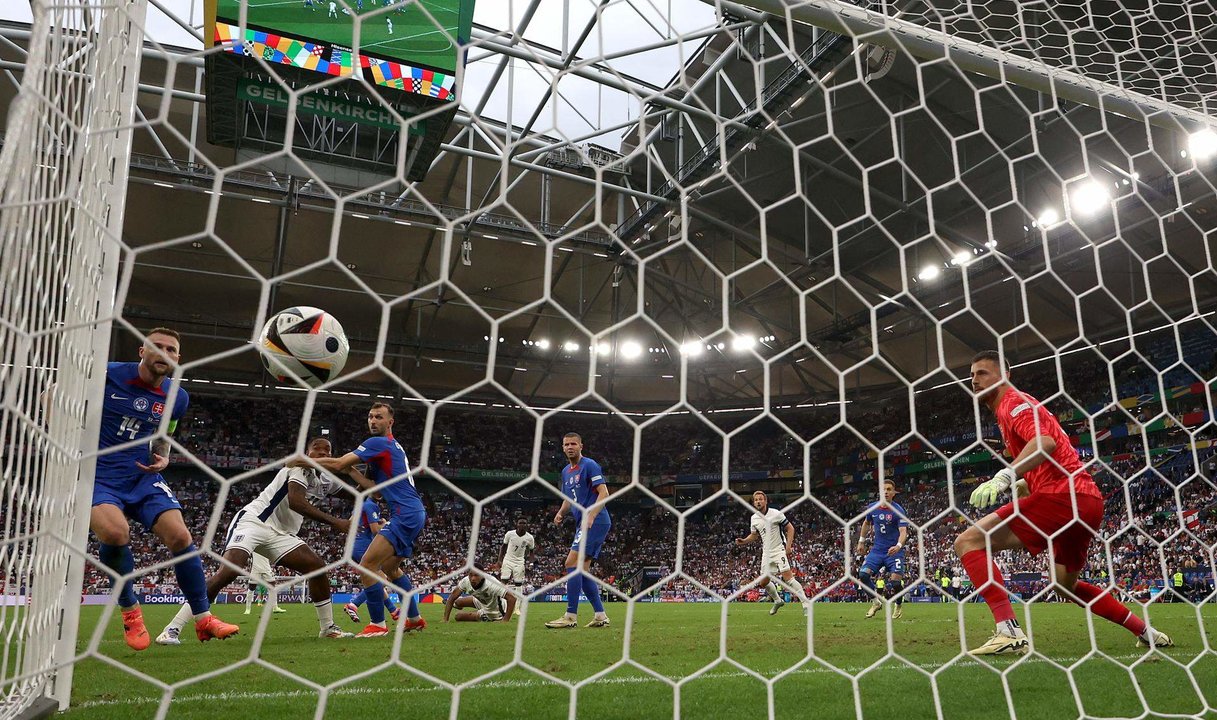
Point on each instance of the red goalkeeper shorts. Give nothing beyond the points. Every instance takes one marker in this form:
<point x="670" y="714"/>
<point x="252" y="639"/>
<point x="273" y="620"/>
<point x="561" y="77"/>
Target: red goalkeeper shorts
<point x="1043" y="517"/>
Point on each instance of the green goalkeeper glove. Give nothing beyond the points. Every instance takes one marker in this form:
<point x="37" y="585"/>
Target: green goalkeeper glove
<point x="987" y="493"/>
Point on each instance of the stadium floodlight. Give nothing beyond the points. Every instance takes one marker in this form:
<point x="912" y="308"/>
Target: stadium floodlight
<point x="543" y="343"/>
<point x="963" y="257"/>
<point x="1048" y="218"/>
<point x="740" y="343"/>
<point x="630" y="349"/>
<point x="691" y="348"/>
<point x="1089" y="197"/>
<point x="929" y="272"/>
<point x="570" y="346"/>
<point x="603" y="349"/>
<point x="1202" y="144"/>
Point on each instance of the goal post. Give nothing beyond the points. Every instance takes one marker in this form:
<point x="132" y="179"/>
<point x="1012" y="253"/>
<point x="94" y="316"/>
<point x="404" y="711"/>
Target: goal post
<point x="63" y="183"/>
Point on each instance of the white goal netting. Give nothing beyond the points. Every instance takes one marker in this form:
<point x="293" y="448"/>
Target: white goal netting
<point x="734" y="247"/>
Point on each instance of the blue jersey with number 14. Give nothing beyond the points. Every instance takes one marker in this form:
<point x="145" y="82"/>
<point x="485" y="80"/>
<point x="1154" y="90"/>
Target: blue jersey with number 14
<point x="886" y="521"/>
<point x="132" y="410"/>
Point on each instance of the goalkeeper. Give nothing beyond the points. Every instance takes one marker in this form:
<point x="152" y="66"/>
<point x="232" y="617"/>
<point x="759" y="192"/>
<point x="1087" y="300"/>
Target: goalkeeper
<point x="1061" y="504"/>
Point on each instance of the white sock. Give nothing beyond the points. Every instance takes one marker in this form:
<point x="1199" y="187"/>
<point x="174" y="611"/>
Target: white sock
<point x="1010" y="627"/>
<point x="272" y="598"/>
<point x="325" y="613"/>
<point x="772" y="589"/>
<point x="183" y="616"/>
<point x="249" y="601"/>
<point x="798" y="589"/>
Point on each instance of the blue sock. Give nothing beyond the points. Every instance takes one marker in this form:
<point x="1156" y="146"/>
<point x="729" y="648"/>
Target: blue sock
<point x="192" y="581"/>
<point x="376" y="602"/>
<point x="119" y="559"/>
<point x="868" y="581"/>
<point x="574" y="585"/>
<point x="410" y="600"/>
<point x="360" y="598"/>
<point x="389" y="602"/>
<point x="591" y="589"/>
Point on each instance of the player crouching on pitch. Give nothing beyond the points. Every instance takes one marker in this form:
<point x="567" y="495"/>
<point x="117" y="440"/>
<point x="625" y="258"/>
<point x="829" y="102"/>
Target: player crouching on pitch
<point x="268" y="526"/>
<point x="487" y="601"/>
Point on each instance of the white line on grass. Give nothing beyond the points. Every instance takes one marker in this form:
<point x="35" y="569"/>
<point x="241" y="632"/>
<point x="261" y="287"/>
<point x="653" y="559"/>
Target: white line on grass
<point x="499" y="684"/>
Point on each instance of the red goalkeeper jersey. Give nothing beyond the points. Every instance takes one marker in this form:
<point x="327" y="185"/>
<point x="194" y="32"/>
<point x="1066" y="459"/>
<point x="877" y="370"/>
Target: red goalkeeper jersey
<point x="1021" y="419"/>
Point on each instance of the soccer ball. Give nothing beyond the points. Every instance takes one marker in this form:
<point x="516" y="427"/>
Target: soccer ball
<point x="305" y="343"/>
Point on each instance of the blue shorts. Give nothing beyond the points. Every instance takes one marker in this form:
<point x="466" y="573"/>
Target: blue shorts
<point x="878" y="559"/>
<point x="142" y="498"/>
<point x="595" y="539"/>
<point x="361" y="547"/>
<point x="401" y="531"/>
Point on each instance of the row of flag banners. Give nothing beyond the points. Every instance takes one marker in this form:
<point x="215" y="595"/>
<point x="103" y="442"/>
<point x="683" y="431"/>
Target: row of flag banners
<point x="334" y="60"/>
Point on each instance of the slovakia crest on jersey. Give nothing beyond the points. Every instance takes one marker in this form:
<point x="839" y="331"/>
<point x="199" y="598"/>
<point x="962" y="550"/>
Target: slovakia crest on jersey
<point x="141" y="404"/>
<point x="158" y="408"/>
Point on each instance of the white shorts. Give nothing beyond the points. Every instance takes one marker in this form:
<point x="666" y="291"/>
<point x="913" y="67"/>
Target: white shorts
<point x="260" y="570"/>
<point x="257" y="538"/>
<point x="512" y="571"/>
<point x="490" y="613"/>
<point x="775" y="564"/>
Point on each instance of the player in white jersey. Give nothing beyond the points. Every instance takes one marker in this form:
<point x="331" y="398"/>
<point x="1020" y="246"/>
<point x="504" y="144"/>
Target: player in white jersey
<point x="262" y="576"/>
<point x="487" y="600"/>
<point x="519" y="542"/>
<point x="770" y="526"/>
<point x="268" y="525"/>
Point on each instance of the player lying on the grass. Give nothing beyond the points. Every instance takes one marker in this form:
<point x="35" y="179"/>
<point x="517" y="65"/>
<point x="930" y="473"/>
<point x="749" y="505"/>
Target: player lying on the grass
<point x="389" y="474"/>
<point x="891" y="531"/>
<point x="261" y="585"/>
<point x="776" y="533"/>
<point x="481" y="599"/>
<point x="129" y="486"/>
<point x="517" y="542"/>
<point x="269" y="525"/>
<point x="369" y="524"/>
<point x="1056" y="480"/>
<point x="583" y="482"/>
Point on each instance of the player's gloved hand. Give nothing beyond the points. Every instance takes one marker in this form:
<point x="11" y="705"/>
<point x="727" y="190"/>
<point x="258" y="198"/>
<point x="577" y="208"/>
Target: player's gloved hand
<point x="1021" y="489"/>
<point x="987" y="493"/>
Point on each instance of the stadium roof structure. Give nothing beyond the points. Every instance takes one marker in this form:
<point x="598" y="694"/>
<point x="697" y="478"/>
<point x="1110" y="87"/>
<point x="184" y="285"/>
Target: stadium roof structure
<point x="769" y="205"/>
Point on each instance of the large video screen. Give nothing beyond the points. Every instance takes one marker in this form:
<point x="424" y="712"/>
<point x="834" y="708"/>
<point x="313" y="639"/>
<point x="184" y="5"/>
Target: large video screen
<point x="408" y="46"/>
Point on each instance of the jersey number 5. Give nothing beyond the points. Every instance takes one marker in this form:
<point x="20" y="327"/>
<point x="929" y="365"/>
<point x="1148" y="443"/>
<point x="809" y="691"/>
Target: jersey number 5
<point x="130" y="425"/>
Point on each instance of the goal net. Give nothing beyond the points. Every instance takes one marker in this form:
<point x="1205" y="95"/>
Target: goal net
<point x="730" y="247"/>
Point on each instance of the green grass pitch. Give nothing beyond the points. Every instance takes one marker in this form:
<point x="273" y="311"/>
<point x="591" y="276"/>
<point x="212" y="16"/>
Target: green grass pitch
<point x="414" y="38"/>
<point x="674" y="640"/>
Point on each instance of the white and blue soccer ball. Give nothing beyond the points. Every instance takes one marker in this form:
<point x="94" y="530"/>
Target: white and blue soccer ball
<point x="305" y="343"/>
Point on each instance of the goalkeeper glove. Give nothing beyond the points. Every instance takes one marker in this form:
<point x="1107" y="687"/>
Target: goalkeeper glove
<point x="987" y="493"/>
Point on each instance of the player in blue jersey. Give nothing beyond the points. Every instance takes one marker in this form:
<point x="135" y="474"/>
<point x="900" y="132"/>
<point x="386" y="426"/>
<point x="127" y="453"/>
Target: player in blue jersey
<point x="890" y="527"/>
<point x="388" y="473"/>
<point x="369" y="524"/>
<point x="583" y="486"/>
<point x="128" y="484"/>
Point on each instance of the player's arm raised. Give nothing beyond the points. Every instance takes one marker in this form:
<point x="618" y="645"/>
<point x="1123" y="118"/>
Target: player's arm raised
<point x="451" y="602"/>
<point x="752" y="537"/>
<point x="297" y="500"/>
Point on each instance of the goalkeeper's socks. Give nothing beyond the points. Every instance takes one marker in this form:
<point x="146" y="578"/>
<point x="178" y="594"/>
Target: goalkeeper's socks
<point x="119" y="559"/>
<point x="1108" y="608"/>
<point x="574" y="586"/>
<point x="987" y="578"/>
<point x="192" y="580"/>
